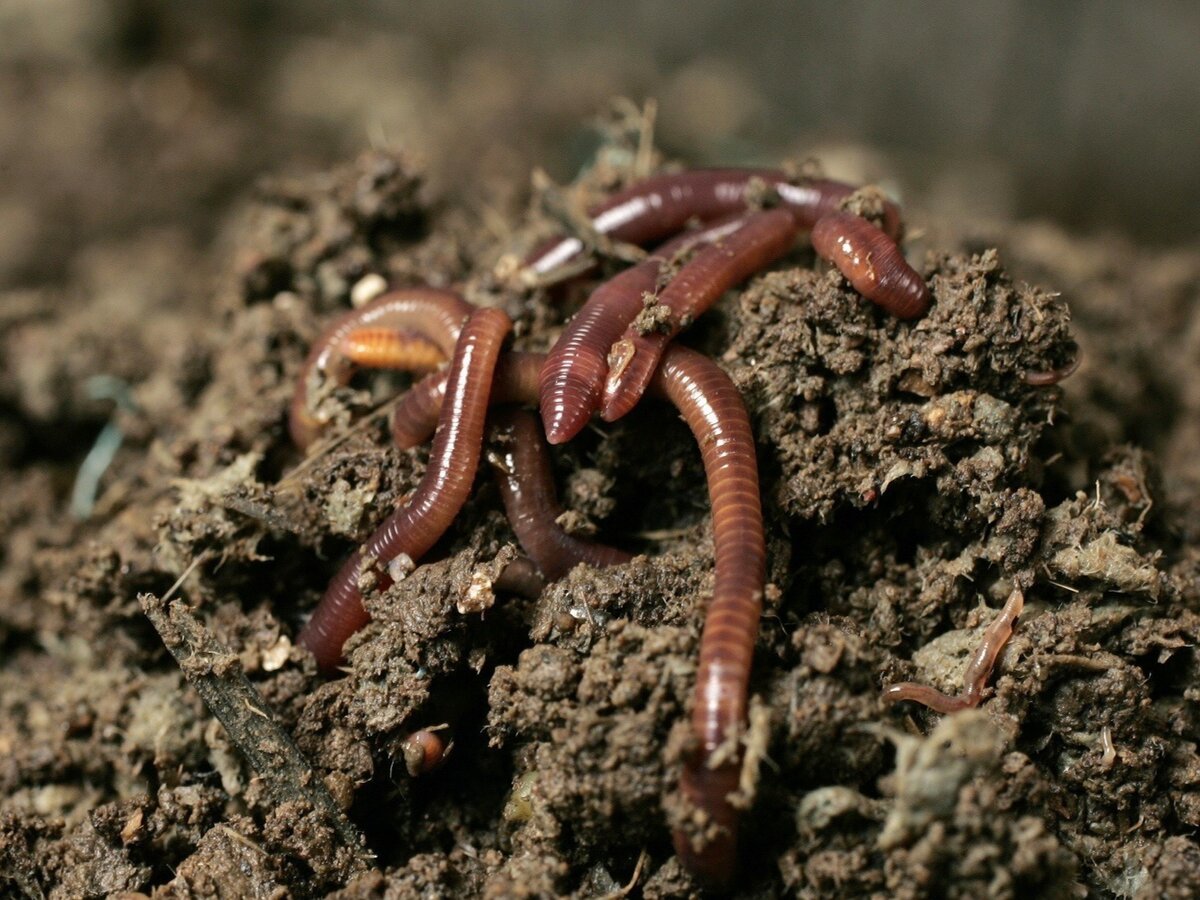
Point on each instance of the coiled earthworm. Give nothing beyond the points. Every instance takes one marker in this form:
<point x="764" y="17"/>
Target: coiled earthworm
<point x="527" y="487"/>
<point x="759" y="240"/>
<point x="411" y="531"/>
<point x="978" y="669"/>
<point x="663" y="204"/>
<point x="390" y="348"/>
<point x="872" y="263"/>
<point x="572" y="380"/>
<point x="416" y="412"/>
<point x="428" y="312"/>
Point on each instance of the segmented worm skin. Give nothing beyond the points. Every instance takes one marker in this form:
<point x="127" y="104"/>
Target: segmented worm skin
<point x="978" y="669"/>
<point x="390" y="348"/>
<point x="663" y="204"/>
<point x="527" y="487"/>
<point x="760" y="240"/>
<point x="428" y="312"/>
<point x="443" y="489"/>
<point x="713" y="409"/>
<point x="572" y="381"/>
<point x="416" y="412"/>
<point x="872" y="263"/>
<point x="573" y="378"/>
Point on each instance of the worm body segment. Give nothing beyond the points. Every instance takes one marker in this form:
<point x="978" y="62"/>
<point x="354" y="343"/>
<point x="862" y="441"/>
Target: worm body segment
<point x="416" y="413"/>
<point x="527" y="488"/>
<point x="661" y="205"/>
<point x="872" y="263"/>
<point x="713" y="409"/>
<point x="390" y="348"/>
<point x="443" y="489"/>
<point x="757" y="241"/>
<point x="428" y="312"/>
<point x="978" y="669"/>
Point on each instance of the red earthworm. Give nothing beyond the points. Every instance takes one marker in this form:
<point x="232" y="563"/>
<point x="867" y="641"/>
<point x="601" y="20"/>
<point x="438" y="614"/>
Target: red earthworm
<point x="759" y="240"/>
<point x="713" y="409"/>
<point x="871" y="262"/>
<point x="527" y="488"/>
<point x="409" y="532"/>
<point x="416" y="412"/>
<point x="429" y="312"/>
<point x="521" y="577"/>
<point x="978" y="669"/>
<point x="663" y="204"/>
<point x="390" y="348"/>
<point x="1053" y="376"/>
<point x="572" y="380"/>
<point x="424" y="750"/>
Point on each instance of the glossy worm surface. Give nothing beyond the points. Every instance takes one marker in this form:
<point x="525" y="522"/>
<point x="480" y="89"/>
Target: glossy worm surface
<point x="573" y="378"/>
<point x="526" y="483"/>
<point x="431" y="313"/>
<point x="390" y="348"/>
<point x="411" y="531"/>
<point x="978" y="669"/>
<point x="713" y="409"/>
<point x="758" y="240"/>
<point x="416" y="412"/>
<point x="663" y="204"/>
<point x="572" y="381"/>
<point x="872" y="263"/>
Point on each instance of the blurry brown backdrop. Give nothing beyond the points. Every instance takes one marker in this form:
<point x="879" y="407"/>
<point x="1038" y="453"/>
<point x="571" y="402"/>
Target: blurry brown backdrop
<point x="118" y="116"/>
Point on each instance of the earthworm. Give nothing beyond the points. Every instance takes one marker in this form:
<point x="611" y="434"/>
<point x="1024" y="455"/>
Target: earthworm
<point x="390" y="348"/>
<point x="663" y="204"/>
<point x="409" y="532"/>
<point x="978" y="669"/>
<point x="1053" y="376"/>
<point x="429" y="312"/>
<point x="527" y="488"/>
<point x="871" y="262"/>
<point x="424" y="750"/>
<point x="759" y="240"/>
<point x="521" y="577"/>
<point x="716" y="415"/>
<point x="713" y="409"/>
<point x="416" y="412"/>
<point x="572" y="380"/>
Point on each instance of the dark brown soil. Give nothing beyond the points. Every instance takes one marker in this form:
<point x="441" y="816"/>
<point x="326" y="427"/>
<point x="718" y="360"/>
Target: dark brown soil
<point x="911" y="477"/>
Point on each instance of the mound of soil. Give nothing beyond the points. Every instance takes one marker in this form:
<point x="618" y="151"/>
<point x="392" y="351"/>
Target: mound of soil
<point x="911" y="478"/>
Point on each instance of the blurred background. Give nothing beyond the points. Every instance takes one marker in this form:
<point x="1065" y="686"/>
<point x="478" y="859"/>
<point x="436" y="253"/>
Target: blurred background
<point x="119" y="117"/>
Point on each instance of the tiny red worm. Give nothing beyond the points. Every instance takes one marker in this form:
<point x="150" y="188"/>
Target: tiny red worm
<point x="759" y="240"/>
<point x="978" y="669"/>
<point x="713" y="409"/>
<point x="427" y="312"/>
<point x="871" y="262"/>
<point x="661" y="205"/>
<point x="411" y="531"/>
<point x="527" y="488"/>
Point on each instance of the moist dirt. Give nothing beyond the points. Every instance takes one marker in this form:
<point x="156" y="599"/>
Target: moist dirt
<point x="911" y="478"/>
